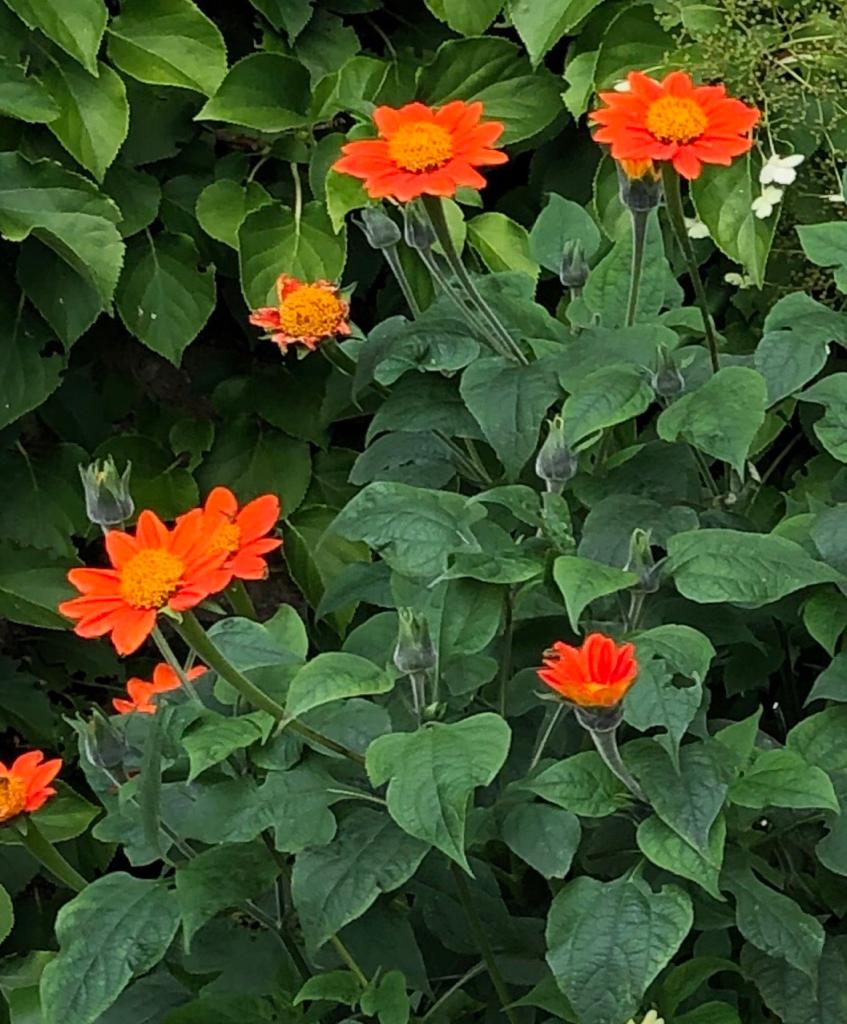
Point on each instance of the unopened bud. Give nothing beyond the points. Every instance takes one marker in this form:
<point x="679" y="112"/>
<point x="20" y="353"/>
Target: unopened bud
<point x="108" y="502"/>
<point x="667" y="381"/>
<point x="556" y="462"/>
<point x="639" y="185"/>
<point x="573" y="270"/>
<point x="642" y="563"/>
<point x="379" y="229"/>
<point x="414" y="651"/>
<point x="417" y="231"/>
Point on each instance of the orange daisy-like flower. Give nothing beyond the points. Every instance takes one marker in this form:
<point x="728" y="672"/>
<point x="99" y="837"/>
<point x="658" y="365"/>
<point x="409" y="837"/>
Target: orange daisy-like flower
<point x="595" y="675"/>
<point x="156" y="569"/>
<point x="306" y="314"/>
<point x="25" y="786"/>
<point x="423" y="151"/>
<point x="674" y="120"/>
<point x="242" y="534"/>
<point x="141" y="692"/>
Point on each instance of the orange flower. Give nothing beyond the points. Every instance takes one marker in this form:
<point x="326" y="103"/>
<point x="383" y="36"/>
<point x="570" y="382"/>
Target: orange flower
<point x="596" y="675"/>
<point x="141" y="693"/>
<point x="674" y="120"/>
<point x="306" y="314"/>
<point x="26" y="785"/>
<point x="156" y="569"/>
<point x="242" y="534"/>
<point x="423" y="151"/>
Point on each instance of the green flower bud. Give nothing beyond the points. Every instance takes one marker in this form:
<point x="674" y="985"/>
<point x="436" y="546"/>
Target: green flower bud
<point x="414" y="651"/>
<point x="667" y="381"/>
<point x="642" y="562"/>
<point x="380" y="230"/>
<point x="639" y="185"/>
<point x="417" y="231"/>
<point x="555" y="463"/>
<point x="108" y="502"/>
<point x="573" y="270"/>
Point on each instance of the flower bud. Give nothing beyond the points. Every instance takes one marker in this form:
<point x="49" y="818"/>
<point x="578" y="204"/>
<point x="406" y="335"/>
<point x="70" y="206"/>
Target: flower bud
<point x="555" y="463"/>
<point x="417" y="231"/>
<point x="599" y="720"/>
<point x="667" y="381"/>
<point x="379" y="229"/>
<point x="642" y="562"/>
<point x="639" y="185"/>
<point x="108" y="502"/>
<point x="414" y="651"/>
<point x="573" y="270"/>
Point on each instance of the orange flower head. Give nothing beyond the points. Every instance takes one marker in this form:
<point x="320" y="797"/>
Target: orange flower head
<point x="423" y="151"/>
<point x="141" y="692"/>
<point x="242" y="533"/>
<point x="595" y="675"/>
<point x="25" y="786"/>
<point x="153" y="570"/>
<point x="306" y="314"/>
<point x="674" y="120"/>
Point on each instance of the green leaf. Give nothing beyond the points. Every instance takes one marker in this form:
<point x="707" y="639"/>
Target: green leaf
<point x="94" y="113"/>
<point x="168" y="42"/>
<point x="335" y="884"/>
<point x="26" y="377"/>
<point x="723" y="198"/>
<point x="792" y="995"/>
<point x="826" y="245"/>
<point x="118" y="927"/>
<point x="668" y="850"/>
<point x="495" y="72"/>
<point x="831" y="684"/>
<point x="582" y="784"/>
<point x="223" y="206"/>
<point x="32" y="585"/>
<point x="782" y="778"/>
<point x="831" y="428"/>
<point x="561" y="221"/>
<point x="607" y="941"/>
<point x="822" y="739"/>
<point x="603" y="398"/>
<point x="541" y="26"/>
<point x="7" y="914"/>
<point x="686" y="650"/>
<point x="24" y="97"/>
<point x="509" y="403"/>
<point x="431" y="344"/>
<point x="721" y="417"/>
<point x="545" y="837"/>
<point x="656" y="700"/>
<point x="389" y="1002"/>
<point x="433" y="773"/>
<point x="710" y="566"/>
<point x="66" y="300"/>
<point x="265" y="91"/>
<point x="214" y="737"/>
<point x="164" y="297"/>
<point x="502" y="243"/>
<point x="137" y="194"/>
<point x="467" y="17"/>
<point x="220" y="878"/>
<point x="67" y="213"/>
<point x="333" y="676"/>
<point x="582" y="581"/>
<point x="77" y="28"/>
<point x="271" y="241"/>
<point x="413" y="529"/>
<point x="335" y="986"/>
<point x="825" y="617"/>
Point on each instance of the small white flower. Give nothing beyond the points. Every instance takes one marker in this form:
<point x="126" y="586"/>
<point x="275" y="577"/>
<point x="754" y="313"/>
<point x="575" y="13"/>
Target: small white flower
<point x="738" y="280"/>
<point x="651" y="1017"/>
<point x="781" y="169"/>
<point x="695" y="228"/>
<point x="763" y="205"/>
<point x="622" y="86"/>
<point x="836" y="197"/>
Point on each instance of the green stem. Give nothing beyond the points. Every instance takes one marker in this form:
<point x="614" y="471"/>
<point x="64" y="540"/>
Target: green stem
<point x="639" y="234"/>
<point x="607" y="748"/>
<point x="506" y="655"/>
<point x="195" y="636"/>
<point x="240" y="600"/>
<point x="547" y="732"/>
<point x="167" y="653"/>
<point x="486" y="952"/>
<point x="347" y="957"/>
<point x="673" y="197"/>
<point x="46" y="854"/>
<point x="392" y="258"/>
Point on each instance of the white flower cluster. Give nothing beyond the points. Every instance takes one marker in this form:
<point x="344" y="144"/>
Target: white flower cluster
<point x="695" y="228"/>
<point x="776" y="174"/>
<point x="651" y="1017"/>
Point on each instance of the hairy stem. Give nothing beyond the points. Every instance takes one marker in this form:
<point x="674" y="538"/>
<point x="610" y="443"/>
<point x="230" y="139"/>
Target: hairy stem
<point x="240" y="600"/>
<point x="46" y="854"/>
<point x="639" y="235"/>
<point x="607" y="747"/>
<point x="167" y="653"/>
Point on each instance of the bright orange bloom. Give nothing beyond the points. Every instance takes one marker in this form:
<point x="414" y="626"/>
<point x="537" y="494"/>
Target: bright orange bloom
<point x="156" y="569"/>
<point x="423" y="151"/>
<point x="596" y="675"/>
<point x="674" y="120"/>
<point x="242" y="534"/>
<point x="306" y="314"/>
<point x="141" y="692"/>
<point x="26" y="785"/>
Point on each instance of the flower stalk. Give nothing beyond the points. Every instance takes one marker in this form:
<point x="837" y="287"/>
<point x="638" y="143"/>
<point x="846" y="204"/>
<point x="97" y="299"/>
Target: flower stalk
<point x="639" y="236"/>
<point x="40" y="847"/>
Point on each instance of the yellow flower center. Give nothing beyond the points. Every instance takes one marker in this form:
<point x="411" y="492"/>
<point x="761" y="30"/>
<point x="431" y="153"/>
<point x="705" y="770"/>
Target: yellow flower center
<point x="420" y="146"/>
<point x="635" y="170"/>
<point x="150" y="577"/>
<point x="226" y="538"/>
<point x="676" y="119"/>
<point x="12" y="796"/>
<point x="310" y="312"/>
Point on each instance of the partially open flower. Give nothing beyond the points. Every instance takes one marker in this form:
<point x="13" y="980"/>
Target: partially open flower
<point x="595" y="675"/>
<point x="141" y="692"/>
<point x="242" y="533"/>
<point x="764" y="204"/>
<point x="306" y="315"/>
<point x="780" y="170"/>
<point x="25" y="786"/>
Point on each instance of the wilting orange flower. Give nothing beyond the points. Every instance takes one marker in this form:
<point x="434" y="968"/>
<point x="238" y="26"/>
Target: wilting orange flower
<point x="306" y="314"/>
<point x="155" y="569"/>
<point x="423" y="151"/>
<point x="243" y="534"/>
<point x="674" y="120"/>
<point x="26" y="785"/>
<point x="595" y="675"/>
<point x="141" y="692"/>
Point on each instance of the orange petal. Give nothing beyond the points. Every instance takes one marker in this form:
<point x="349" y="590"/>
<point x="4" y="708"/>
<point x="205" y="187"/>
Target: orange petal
<point x="131" y="628"/>
<point x="258" y="517"/>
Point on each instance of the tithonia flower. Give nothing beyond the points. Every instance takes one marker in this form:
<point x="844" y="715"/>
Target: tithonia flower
<point x="306" y="314"/>
<point x="423" y="151"/>
<point x="674" y="120"/>
<point x="141" y="692"/>
<point x="242" y="534"/>
<point x="25" y="786"/>
<point x="156" y="569"/>
<point x="595" y="675"/>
